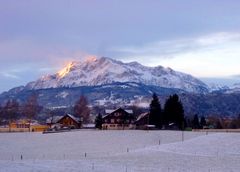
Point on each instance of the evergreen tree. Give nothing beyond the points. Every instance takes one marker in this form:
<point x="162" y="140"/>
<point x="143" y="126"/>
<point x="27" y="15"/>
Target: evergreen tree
<point x="173" y="111"/>
<point x="195" y="122"/>
<point x="155" y="112"/>
<point x="1" y="114"/>
<point x="99" y="121"/>
<point x="82" y="110"/>
<point x="203" y="122"/>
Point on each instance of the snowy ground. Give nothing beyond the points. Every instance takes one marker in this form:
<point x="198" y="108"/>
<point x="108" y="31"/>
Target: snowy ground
<point x="120" y="151"/>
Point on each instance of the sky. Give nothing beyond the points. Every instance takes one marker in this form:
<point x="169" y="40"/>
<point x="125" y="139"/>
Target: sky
<point x="201" y="38"/>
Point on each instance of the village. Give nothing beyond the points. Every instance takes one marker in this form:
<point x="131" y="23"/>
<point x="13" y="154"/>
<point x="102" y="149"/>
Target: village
<point x="170" y="118"/>
<point x="118" y="119"/>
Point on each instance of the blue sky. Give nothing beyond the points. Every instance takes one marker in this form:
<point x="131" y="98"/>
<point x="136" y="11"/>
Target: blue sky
<point x="197" y="37"/>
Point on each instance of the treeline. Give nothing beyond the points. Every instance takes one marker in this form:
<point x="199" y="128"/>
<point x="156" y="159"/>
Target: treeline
<point x="214" y="122"/>
<point x="13" y="110"/>
<point x="172" y="116"/>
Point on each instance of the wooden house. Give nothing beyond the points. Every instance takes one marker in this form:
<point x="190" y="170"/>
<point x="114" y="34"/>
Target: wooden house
<point x="142" y="121"/>
<point x="118" y="119"/>
<point x="66" y="121"/>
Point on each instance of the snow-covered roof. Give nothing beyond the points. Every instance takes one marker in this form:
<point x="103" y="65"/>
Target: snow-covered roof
<point x="142" y="116"/>
<point x="108" y="111"/>
<point x="88" y="125"/>
<point x="53" y="119"/>
<point x="74" y="118"/>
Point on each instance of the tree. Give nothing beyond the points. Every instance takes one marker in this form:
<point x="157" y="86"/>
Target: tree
<point x="155" y="112"/>
<point x="195" y="122"/>
<point x="99" y="121"/>
<point x="31" y="108"/>
<point x="174" y="112"/>
<point x="82" y="110"/>
<point x="1" y="114"/>
<point x="203" y="122"/>
<point x="11" y="111"/>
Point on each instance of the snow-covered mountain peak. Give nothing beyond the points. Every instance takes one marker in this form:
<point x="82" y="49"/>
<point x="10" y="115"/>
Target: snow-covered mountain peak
<point x="65" y="70"/>
<point x="99" y="71"/>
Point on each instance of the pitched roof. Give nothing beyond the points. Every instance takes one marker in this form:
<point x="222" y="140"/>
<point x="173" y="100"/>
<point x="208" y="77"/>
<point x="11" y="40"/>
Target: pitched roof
<point x="73" y="117"/>
<point x="53" y="119"/>
<point x="108" y="111"/>
<point x="56" y="119"/>
<point x="142" y="116"/>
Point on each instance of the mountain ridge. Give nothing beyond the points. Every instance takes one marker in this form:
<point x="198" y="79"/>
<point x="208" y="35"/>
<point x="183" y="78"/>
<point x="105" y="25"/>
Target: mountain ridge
<point x="100" y="71"/>
<point x="120" y="92"/>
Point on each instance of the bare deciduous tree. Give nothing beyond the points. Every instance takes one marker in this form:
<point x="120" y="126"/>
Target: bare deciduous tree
<point x="31" y="108"/>
<point x="10" y="110"/>
<point x="81" y="109"/>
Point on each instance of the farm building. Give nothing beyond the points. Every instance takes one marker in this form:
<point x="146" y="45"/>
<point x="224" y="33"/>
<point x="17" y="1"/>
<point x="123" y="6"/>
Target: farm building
<point x="23" y="125"/>
<point x="142" y="121"/>
<point x="118" y="119"/>
<point x="66" y="121"/>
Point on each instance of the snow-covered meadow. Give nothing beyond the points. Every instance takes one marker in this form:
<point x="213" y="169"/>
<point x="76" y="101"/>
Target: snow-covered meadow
<point x="120" y="151"/>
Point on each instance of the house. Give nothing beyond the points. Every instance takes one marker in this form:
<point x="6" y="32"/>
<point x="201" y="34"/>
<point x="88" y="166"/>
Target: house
<point x="142" y="121"/>
<point x="66" y="121"/>
<point x="118" y="119"/>
<point x="23" y="125"/>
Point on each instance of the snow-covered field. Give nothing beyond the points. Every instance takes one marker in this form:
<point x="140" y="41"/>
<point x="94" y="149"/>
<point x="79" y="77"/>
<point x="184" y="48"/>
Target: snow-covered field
<point x="120" y="151"/>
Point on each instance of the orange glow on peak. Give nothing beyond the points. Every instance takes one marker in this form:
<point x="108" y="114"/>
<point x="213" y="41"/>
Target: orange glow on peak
<point x="65" y="70"/>
<point x="91" y="58"/>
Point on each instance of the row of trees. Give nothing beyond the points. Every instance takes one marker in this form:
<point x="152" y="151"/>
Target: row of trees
<point x="216" y="122"/>
<point x="12" y="110"/>
<point x="173" y="112"/>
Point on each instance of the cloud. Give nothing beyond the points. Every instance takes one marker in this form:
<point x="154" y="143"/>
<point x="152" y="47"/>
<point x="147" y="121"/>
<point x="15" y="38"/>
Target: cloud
<point x="10" y="75"/>
<point x="25" y="55"/>
<point x="172" y="48"/>
<point x="212" y="55"/>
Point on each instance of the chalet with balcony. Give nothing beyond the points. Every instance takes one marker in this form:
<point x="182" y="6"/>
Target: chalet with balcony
<point x="118" y="119"/>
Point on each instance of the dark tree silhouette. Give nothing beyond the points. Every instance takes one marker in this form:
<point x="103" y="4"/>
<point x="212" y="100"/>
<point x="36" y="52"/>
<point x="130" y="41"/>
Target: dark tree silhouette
<point x="155" y="112"/>
<point x="10" y="110"/>
<point x="31" y="108"/>
<point x="1" y="114"/>
<point x="82" y="110"/>
<point x="203" y="122"/>
<point x="98" y="121"/>
<point x="195" y="122"/>
<point x="173" y="111"/>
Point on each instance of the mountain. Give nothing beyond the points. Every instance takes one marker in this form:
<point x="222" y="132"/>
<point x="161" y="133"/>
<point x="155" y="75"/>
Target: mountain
<point x="111" y="83"/>
<point x="235" y="88"/>
<point x="212" y="87"/>
<point x="96" y="72"/>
